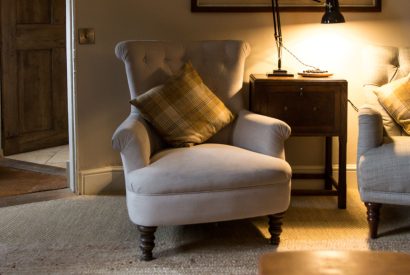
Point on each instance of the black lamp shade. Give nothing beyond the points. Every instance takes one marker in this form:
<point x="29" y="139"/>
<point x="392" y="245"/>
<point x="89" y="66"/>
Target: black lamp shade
<point x="332" y="13"/>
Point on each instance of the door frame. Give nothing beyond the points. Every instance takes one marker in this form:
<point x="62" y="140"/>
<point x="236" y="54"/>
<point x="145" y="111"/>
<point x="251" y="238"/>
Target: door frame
<point x="72" y="173"/>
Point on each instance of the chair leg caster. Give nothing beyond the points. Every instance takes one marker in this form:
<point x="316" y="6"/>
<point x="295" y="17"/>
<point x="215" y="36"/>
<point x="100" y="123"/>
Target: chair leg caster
<point x="147" y="244"/>
<point x="373" y="213"/>
<point x="275" y="227"/>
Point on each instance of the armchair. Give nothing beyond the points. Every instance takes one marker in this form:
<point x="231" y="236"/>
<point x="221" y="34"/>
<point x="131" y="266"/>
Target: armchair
<point x="239" y="173"/>
<point x="383" y="157"/>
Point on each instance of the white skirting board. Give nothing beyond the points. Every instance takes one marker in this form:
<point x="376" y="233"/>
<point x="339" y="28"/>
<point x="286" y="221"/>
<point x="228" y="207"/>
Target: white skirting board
<point x="316" y="169"/>
<point x="110" y="180"/>
<point x="101" y="181"/>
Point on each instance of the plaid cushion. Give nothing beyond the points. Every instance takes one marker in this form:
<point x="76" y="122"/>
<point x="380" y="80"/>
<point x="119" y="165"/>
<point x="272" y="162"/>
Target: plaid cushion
<point x="395" y="98"/>
<point x="183" y="110"/>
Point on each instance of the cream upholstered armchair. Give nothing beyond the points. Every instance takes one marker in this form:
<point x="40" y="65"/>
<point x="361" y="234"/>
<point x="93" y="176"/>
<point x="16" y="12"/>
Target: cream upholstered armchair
<point x="383" y="156"/>
<point x="239" y="173"/>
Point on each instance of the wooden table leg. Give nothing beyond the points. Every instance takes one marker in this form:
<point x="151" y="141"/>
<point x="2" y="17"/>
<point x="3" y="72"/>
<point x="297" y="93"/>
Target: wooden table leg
<point x="328" y="163"/>
<point x="342" y="173"/>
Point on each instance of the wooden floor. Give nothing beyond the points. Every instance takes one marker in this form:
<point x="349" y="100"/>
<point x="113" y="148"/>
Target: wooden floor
<point x="19" y="177"/>
<point x="36" y="197"/>
<point x="34" y="167"/>
<point x="29" y="197"/>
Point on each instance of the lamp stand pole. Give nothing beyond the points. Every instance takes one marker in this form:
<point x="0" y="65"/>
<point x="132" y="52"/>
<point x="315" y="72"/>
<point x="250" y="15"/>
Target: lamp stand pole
<point x="278" y="39"/>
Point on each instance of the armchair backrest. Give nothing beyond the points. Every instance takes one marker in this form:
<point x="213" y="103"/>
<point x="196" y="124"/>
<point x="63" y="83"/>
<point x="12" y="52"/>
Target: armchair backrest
<point x="383" y="64"/>
<point x="220" y="63"/>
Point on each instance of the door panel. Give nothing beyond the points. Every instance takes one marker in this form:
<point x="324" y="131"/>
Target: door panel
<point x="59" y="100"/>
<point x="34" y="91"/>
<point x="59" y="12"/>
<point x="40" y="37"/>
<point x="34" y="88"/>
<point x="33" y="12"/>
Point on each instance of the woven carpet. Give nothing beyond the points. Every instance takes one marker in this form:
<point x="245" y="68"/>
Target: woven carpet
<point x="92" y="235"/>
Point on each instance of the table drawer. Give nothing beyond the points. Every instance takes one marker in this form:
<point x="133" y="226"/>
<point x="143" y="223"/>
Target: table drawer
<point x="307" y="109"/>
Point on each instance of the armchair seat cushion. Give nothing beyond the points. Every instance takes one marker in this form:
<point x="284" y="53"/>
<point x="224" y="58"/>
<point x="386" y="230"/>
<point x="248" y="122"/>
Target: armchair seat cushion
<point x="384" y="171"/>
<point x="207" y="168"/>
<point x="207" y="183"/>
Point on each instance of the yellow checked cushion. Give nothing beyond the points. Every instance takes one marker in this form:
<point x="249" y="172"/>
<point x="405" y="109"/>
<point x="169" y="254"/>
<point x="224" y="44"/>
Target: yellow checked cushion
<point x="183" y="110"/>
<point x="395" y="98"/>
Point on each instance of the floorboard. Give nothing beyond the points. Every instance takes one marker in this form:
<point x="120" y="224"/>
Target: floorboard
<point x="36" y="197"/>
<point x="34" y="167"/>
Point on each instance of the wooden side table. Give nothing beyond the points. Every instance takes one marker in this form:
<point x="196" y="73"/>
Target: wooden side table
<point x="334" y="262"/>
<point x="312" y="107"/>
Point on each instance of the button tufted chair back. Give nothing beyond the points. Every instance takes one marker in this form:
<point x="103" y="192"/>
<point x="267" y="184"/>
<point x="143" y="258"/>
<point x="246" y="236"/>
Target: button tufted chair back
<point x="383" y="64"/>
<point x="220" y="63"/>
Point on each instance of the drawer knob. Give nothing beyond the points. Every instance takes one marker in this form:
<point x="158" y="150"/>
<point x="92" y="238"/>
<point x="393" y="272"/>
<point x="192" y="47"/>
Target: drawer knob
<point x="315" y="109"/>
<point x="285" y="108"/>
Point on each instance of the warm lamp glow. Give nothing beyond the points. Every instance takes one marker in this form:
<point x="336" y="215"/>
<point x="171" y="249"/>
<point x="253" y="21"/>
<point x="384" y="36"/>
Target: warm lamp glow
<point x="317" y="44"/>
<point x="332" y="15"/>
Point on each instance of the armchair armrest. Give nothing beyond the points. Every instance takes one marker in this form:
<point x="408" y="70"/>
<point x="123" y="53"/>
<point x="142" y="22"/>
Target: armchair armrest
<point x="132" y="139"/>
<point x="370" y="129"/>
<point x="261" y="134"/>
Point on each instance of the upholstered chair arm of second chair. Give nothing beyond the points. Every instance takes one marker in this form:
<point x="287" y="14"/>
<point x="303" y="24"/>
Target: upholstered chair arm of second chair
<point x="370" y="129"/>
<point x="132" y="139"/>
<point x="261" y="134"/>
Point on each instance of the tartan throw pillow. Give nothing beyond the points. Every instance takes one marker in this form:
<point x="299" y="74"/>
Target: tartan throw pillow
<point x="184" y="110"/>
<point x="395" y="98"/>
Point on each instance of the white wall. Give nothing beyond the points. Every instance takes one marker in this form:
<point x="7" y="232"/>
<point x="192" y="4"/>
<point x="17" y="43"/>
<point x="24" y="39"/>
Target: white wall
<point x="102" y="92"/>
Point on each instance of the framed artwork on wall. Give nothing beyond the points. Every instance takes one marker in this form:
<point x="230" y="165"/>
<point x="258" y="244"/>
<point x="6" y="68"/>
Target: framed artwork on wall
<point x="285" y="5"/>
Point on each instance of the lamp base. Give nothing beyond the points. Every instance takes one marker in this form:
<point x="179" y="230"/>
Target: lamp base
<point x="280" y="73"/>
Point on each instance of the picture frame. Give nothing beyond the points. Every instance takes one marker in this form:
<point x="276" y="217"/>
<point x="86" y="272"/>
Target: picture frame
<point x="285" y="5"/>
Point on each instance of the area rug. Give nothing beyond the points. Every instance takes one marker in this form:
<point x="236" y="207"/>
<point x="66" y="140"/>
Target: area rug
<point x="93" y="235"/>
<point x="16" y="181"/>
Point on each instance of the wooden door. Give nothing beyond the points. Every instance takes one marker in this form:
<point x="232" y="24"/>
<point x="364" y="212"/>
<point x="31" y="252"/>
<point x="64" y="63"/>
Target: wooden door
<point x="33" y="77"/>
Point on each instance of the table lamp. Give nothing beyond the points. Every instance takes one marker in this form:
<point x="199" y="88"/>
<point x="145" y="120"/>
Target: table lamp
<point x="332" y="15"/>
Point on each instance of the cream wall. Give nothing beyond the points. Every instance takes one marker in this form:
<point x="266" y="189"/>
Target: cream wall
<point x="102" y="93"/>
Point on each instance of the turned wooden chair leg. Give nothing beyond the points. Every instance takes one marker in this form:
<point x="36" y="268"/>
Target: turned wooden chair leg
<point x="147" y="237"/>
<point x="275" y="227"/>
<point x="373" y="212"/>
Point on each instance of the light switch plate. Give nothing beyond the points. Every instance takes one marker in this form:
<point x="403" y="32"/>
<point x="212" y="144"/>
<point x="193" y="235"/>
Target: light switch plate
<point x="86" y="36"/>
